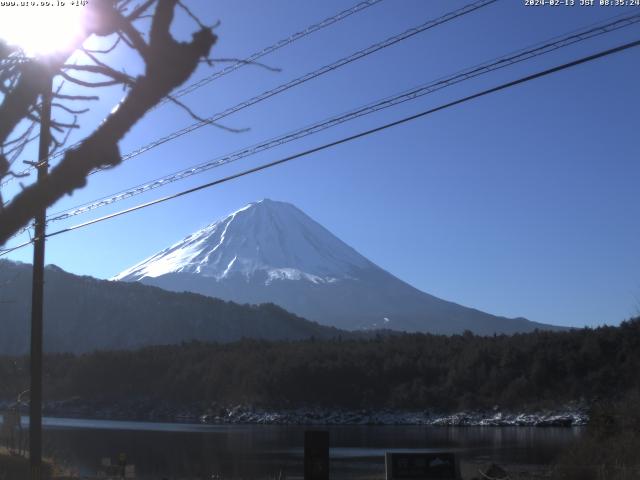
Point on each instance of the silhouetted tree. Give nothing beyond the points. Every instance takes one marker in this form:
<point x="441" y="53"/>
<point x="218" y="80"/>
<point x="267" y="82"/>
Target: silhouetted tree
<point x="167" y="64"/>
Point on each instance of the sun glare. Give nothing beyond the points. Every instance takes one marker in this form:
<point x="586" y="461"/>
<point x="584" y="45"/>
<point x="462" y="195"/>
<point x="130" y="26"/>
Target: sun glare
<point x="41" y="30"/>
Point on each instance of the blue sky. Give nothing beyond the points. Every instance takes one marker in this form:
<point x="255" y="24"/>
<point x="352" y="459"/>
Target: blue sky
<point x="522" y="203"/>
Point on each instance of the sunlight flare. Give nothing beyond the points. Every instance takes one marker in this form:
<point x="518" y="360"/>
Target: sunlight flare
<point x="41" y="30"/>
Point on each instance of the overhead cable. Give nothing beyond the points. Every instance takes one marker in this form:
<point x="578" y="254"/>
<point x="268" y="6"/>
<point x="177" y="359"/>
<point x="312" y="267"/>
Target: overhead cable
<point x="300" y="80"/>
<point x="443" y="82"/>
<point x="341" y="141"/>
<point x="272" y="48"/>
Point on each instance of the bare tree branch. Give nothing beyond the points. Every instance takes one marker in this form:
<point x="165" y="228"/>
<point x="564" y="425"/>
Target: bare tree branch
<point x="139" y="11"/>
<point x="102" y="20"/>
<point x="133" y="36"/>
<point x="80" y="98"/>
<point x="17" y="150"/>
<point x="83" y="83"/>
<point x="105" y="70"/>
<point x="94" y="58"/>
<point x="63" y="125"/>
<point x="68" y="109"/>
<point x="60" y="144"/>
<point x="19" y="138"/>
<point x="198" y="118"/>
<point x="19" y="100"/>
<point x="168" y="64"/>
<point x="191" y="15"/>
<point x="106" y="50"/>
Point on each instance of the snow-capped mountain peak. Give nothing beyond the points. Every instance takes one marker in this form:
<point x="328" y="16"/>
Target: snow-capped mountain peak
<point x="271" y="252"/>
<point x="271" y="238"/>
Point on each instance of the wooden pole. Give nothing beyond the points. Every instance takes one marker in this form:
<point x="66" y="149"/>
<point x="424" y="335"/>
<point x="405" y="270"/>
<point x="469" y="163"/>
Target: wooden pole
<point x="37" y="296"/>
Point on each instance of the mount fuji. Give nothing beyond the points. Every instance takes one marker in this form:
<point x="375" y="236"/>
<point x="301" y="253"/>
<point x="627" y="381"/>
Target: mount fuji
<point x="270" y="251"/>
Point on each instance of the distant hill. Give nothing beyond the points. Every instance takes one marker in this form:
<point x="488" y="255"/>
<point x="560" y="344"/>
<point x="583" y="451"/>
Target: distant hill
<point x="271" y="251"/>
<point x="84" y="314"/>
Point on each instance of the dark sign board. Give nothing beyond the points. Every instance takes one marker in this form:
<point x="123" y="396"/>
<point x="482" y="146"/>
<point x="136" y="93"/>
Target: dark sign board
<point x="422" y="466"/>
<point x="316" y="455"/>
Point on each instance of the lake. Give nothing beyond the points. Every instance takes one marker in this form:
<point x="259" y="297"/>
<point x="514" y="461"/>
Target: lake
<point x="174" y="451"/>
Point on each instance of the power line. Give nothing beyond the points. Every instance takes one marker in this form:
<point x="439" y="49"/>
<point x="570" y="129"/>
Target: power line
<point x="365" y="133"/>
<point x="276" y="46"/>
<point x="538" y="49"/>
<point x="251" y="58"/>
<point x="7" y="251"/>
<point x="314" y="74"/>
<point x="303" y="79"/>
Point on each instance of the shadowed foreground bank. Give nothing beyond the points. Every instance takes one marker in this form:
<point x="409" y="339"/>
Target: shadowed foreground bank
<point x="16" y="467"/>
<point x="609" y="449"/>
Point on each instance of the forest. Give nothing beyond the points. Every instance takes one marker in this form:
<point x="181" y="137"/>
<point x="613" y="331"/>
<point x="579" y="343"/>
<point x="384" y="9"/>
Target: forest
<point x="402" y="371"/>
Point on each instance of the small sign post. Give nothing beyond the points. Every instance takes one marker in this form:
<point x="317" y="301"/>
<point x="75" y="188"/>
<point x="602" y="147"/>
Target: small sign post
<point x="421" y="466"/>
<point x="122" y="464"/>
<point x="316" y="455"/>
<point x="130" y="471"/>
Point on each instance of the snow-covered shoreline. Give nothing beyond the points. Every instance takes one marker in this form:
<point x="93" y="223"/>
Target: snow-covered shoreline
<point x="309" y="416"/>
<point x="570" y="416"/>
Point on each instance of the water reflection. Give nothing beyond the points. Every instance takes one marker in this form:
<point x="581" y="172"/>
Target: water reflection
<point x="246" y="451"/>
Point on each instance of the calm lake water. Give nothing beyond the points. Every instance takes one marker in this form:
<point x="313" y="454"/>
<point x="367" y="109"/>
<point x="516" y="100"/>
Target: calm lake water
<point x="175" y="451"/>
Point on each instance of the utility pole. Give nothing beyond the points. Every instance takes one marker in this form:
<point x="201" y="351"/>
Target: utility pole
<point x="37" y="293"/>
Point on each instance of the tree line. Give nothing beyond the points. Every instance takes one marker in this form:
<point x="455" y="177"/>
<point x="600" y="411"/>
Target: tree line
<point x="421" y="371"/>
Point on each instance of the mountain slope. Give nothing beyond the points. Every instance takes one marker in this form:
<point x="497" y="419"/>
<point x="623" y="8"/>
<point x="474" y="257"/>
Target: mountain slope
<point x="270" y="238"/>
<point x="84" y="314"/>
<point x="271" y="251"/>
